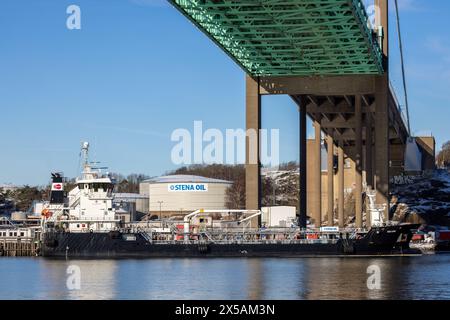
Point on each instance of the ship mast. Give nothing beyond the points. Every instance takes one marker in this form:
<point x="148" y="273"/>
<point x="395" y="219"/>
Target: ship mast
<point x="87" y="173"/>
<point x="85" y="152"/>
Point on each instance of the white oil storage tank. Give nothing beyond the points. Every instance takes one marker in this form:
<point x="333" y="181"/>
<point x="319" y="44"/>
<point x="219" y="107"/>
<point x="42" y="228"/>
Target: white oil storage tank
<point x="180" y="194"/>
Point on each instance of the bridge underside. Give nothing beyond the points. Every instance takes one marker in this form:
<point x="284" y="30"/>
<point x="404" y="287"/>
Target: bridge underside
<point x="289" y="37"/>
<point x="323" y="54"/>
<point x="345" y="110"/>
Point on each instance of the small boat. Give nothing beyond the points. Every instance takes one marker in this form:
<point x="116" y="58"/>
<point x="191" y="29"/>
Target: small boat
<point x="431" y="239"/>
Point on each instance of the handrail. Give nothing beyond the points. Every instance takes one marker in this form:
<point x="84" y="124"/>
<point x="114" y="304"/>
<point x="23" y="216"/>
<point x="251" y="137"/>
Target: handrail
<point x="361" y="14"/>
<point x="398" y="106"/>
<point x="243" y="241"/>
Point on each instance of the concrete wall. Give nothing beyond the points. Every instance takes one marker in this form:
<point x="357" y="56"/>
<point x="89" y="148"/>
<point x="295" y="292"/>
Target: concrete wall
<point x="428" y="147"/>
<point x="397" y="160"/>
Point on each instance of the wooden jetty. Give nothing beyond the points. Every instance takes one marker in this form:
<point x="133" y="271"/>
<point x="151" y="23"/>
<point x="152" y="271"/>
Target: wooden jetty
<point x="18" y="241"/>
<point x="19" y="247"/>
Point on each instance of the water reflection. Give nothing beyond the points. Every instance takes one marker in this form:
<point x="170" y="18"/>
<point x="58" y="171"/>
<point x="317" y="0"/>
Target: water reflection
<point x="425" y="277"/>
<point x="97" y="278"/>
<point x="345" y="278"/>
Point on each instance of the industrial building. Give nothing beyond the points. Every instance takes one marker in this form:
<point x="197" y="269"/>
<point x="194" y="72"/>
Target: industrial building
<point x="180" y="194"/>
<point x="281" y="216"/>
<point x="129" y="206"/>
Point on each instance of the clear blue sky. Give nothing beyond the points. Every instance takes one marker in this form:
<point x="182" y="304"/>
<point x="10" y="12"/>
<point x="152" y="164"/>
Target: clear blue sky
<point x="137" y="70"/>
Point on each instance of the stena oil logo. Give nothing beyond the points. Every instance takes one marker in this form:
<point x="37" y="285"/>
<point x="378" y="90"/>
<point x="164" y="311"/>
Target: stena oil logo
<point x="187" y="187"/>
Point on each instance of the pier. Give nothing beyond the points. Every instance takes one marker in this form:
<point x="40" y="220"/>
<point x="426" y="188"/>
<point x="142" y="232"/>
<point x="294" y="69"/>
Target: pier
<point x="18" y="241"/>
<point x="19" y="247"/>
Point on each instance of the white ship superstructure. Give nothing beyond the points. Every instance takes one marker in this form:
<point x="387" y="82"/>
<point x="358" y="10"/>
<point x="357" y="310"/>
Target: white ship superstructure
<point x="89" y="206"/>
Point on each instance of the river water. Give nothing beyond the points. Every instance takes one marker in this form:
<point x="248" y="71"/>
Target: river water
<point x="425" y="277"/>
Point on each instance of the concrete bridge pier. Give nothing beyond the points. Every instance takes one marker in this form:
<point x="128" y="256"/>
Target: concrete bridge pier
<point x="252" y="145"/>
<point x="314" y="175"/>
<point x="330" y="180"/>
<point x="350" y="121"/>
<point x="302" y="218"/>
<point x="358" y="162"/>
<point x="368" y="158"/>
<point x="341" y="184"/>
<point x="382" y="95"/>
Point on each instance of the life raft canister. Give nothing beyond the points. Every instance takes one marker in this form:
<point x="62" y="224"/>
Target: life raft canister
<point x="46" y="213"/>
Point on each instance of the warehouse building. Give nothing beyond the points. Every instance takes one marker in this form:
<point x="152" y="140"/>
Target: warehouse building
<point x="129" y="206"/>
<point x="181" y="194"/>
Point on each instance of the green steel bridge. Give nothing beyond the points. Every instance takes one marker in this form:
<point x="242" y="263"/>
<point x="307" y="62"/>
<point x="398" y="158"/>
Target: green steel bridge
<point x="290" y="37"/>
<point x="328" y="57"/>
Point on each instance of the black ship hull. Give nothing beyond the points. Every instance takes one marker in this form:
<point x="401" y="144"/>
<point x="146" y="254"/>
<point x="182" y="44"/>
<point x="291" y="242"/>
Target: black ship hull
<point x="392" y="240"/>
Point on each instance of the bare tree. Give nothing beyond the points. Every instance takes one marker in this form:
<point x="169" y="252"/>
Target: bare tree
<point x="443" y="158"/>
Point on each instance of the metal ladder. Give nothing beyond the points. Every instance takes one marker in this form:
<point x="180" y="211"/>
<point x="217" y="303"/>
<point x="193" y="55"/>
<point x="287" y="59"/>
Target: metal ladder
<point x="146" y="236"/>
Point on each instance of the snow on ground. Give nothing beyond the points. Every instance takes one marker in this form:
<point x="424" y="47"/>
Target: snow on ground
<point x="427" y="196"/>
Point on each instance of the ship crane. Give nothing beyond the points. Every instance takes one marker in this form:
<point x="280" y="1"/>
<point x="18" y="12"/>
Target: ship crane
<point x="187" y="218"/>
<point x="257" y="214"/>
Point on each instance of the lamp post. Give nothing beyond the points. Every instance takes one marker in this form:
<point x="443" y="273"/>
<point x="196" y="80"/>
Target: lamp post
<point x="160" y="203"/>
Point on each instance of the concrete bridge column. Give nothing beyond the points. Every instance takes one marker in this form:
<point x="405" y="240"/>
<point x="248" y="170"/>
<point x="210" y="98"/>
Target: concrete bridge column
<point x="303" y="164"/>
<point x="317" y="177"/>
<point x="252" y="164"/>
<point x="358" y="162"/>
<point x="341" y="183"/>
<point x="368" y="161"/>
<point x="382" y="143"/>
<point x="382" y="113"/>
<point x="330" y="180"/>
<point x="369" y="154"/>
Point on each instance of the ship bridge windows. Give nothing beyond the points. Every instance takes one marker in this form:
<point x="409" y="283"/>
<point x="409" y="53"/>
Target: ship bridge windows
<point x="96" y="186"/>
<point x="105" y="187"/>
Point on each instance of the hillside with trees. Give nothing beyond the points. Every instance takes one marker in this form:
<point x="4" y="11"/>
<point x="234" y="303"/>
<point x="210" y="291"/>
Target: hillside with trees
<point x="21" y="199"/>
<point x="443" y="157"/>
<point x="130" y="183"/>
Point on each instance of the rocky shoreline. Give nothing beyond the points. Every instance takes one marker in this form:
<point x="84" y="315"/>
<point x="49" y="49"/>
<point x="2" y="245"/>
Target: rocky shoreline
<point x="424" y="199"/>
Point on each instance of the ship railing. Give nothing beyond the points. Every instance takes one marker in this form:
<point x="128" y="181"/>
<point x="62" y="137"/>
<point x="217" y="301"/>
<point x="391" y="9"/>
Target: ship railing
<point x="91" y="219"/>
<point x="8" y="239"/>
<point x="228" y="242"/>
